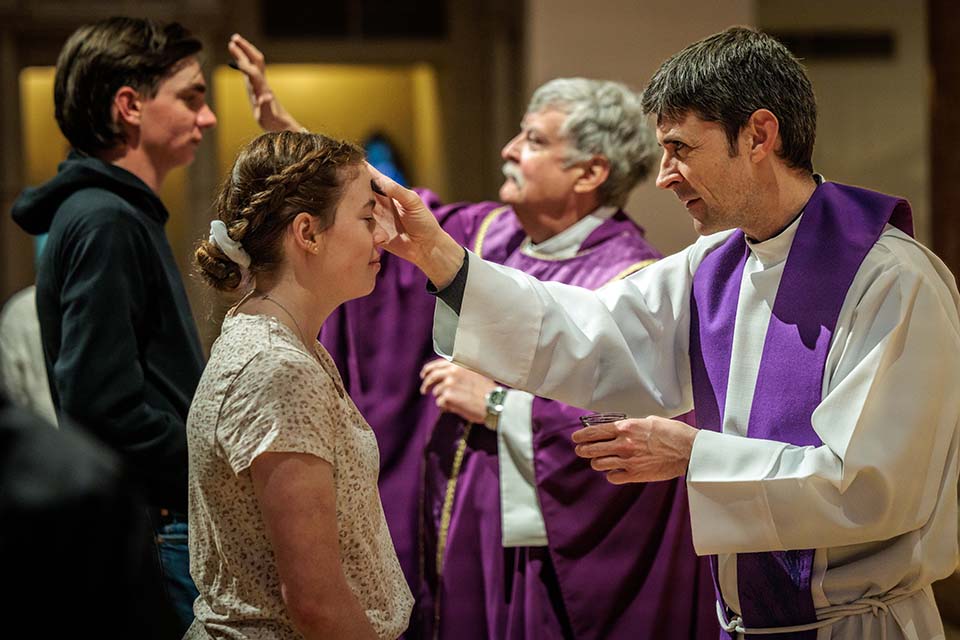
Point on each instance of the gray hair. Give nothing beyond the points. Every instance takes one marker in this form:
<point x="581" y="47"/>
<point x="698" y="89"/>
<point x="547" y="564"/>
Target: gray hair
<point x="606" y="119"/>
<point x="726" y="77"/>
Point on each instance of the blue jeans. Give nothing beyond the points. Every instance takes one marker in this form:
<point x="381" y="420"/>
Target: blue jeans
<point x="171" y="540"/>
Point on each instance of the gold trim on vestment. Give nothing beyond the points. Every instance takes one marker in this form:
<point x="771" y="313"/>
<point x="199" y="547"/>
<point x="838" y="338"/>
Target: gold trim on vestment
<point x="446" y="513"/>
<point x="632" y="269"/>
<point x="484" y="227"/>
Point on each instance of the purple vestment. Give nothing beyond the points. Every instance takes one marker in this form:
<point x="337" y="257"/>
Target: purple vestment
<point x="839" y="227"/>
<point x="620" y="561"/>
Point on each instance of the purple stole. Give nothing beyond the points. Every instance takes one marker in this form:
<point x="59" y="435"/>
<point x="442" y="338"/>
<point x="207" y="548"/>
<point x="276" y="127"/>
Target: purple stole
<point x="840" y="225"/>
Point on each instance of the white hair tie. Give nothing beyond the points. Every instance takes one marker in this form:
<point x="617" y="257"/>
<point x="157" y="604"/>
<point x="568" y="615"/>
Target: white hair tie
<point x="230" y="247"/>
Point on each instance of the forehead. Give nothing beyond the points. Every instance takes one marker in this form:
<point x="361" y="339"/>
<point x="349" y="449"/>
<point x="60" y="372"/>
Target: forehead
<point x="356" y="185"/>
<point x="187" y="73"/>
<point x="548" y="120"/>
<point x="688" y="125"/>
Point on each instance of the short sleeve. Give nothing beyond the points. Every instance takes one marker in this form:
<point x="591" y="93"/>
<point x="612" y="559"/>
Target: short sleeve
<point x="282" y="401"/>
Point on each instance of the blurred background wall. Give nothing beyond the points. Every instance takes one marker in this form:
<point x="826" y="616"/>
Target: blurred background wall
<point x="447" y="80"/>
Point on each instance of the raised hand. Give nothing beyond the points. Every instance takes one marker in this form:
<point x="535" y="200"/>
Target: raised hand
<point x="267" y="110"/>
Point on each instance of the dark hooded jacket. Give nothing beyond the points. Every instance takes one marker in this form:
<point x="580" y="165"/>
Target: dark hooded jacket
<point x="120" y="344"/>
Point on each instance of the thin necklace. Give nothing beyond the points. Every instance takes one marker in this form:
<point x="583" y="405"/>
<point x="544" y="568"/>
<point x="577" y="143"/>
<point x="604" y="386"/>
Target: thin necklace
<point x="295" y="323"/>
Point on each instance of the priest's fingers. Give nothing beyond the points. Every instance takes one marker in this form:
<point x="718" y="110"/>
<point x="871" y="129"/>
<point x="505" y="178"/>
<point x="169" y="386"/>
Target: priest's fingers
<point x="433" y="365"/>
<point x="599" y="449"/>
<point x="620" y="477"/>
<point x="431" y="380"/>
<point x="606" y="431"/>
<point x="433" y="373"/>
<point x="250" y="52"/>
<point x="608" y="463"/>
<point x="249" y="61"/>
<point x="462" y="402"/>
<point x="408" y="199"/>
<point x="267" y="110"/>
<point x="421" y="239"/>
<point x="385" y="214"/>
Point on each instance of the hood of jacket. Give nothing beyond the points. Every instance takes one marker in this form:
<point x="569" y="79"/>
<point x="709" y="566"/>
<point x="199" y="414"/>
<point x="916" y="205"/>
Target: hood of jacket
<point x="36" y="207"/>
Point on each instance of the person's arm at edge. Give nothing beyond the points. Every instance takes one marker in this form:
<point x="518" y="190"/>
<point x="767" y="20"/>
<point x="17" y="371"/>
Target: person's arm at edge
<point x="298" y="503"/>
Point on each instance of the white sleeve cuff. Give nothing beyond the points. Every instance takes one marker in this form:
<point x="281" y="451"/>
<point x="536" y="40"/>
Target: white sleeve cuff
<point x="445" y="322"/>
<point x="522" y="519"/>
<point x="728" y="505"/>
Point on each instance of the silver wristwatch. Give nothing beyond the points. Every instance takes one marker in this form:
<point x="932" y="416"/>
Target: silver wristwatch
<point x="495" y="398"/>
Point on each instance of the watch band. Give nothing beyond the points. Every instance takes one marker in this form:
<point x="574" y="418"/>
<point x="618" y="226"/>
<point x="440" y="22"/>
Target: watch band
<point x="494" y="400"/>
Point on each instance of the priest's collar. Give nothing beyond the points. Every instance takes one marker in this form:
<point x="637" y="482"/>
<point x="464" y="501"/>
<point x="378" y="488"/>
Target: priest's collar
<point x="567" y="243"/>
<point x="774" y="250"/>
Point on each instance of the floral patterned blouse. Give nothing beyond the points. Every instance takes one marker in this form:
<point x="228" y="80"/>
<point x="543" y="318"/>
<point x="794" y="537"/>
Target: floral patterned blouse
<point x="263" y="391"/>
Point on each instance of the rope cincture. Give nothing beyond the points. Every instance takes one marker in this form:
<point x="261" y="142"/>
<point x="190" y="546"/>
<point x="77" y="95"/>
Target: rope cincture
<point x="827" y="616"/>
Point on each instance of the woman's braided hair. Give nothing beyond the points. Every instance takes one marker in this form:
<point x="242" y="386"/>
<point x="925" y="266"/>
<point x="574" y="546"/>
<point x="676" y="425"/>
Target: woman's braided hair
<point x="275" y="177"/>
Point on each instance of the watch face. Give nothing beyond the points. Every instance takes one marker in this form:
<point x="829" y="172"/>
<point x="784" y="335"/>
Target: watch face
<point x="495" y="400"/>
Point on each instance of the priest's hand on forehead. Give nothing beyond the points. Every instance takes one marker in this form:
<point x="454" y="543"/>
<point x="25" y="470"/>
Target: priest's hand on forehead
<point x="420" y="240"/>
<point x="637" y="449"/>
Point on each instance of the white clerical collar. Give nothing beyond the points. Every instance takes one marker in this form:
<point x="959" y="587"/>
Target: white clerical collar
<point x="567" y="243"/>
<point x="774" y="251"/>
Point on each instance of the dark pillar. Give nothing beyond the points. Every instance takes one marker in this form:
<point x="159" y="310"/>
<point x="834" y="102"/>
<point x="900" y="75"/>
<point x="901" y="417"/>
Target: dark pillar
<point x="944" y="28"/>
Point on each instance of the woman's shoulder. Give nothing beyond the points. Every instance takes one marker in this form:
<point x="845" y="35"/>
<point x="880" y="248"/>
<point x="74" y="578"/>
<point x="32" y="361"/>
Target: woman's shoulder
<point x="261" y="338"/>
<point x="248" y="354"/>
<point x="264" y="354"/>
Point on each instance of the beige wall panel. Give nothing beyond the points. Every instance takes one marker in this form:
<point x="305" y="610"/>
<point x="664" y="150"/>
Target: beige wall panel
<point x="873" y="123"/>
<point x="626" y="40"/>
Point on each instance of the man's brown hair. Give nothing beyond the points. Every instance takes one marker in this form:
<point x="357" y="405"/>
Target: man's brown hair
<point x="98" y="59"/>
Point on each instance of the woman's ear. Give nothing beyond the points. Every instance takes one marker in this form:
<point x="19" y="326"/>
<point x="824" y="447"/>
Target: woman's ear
<point x="304" y="232"/>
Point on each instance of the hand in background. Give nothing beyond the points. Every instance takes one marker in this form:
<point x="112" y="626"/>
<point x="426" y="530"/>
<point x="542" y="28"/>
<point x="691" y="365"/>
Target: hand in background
<point x="267" y="110"/>
<point x="457" y="390"/>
